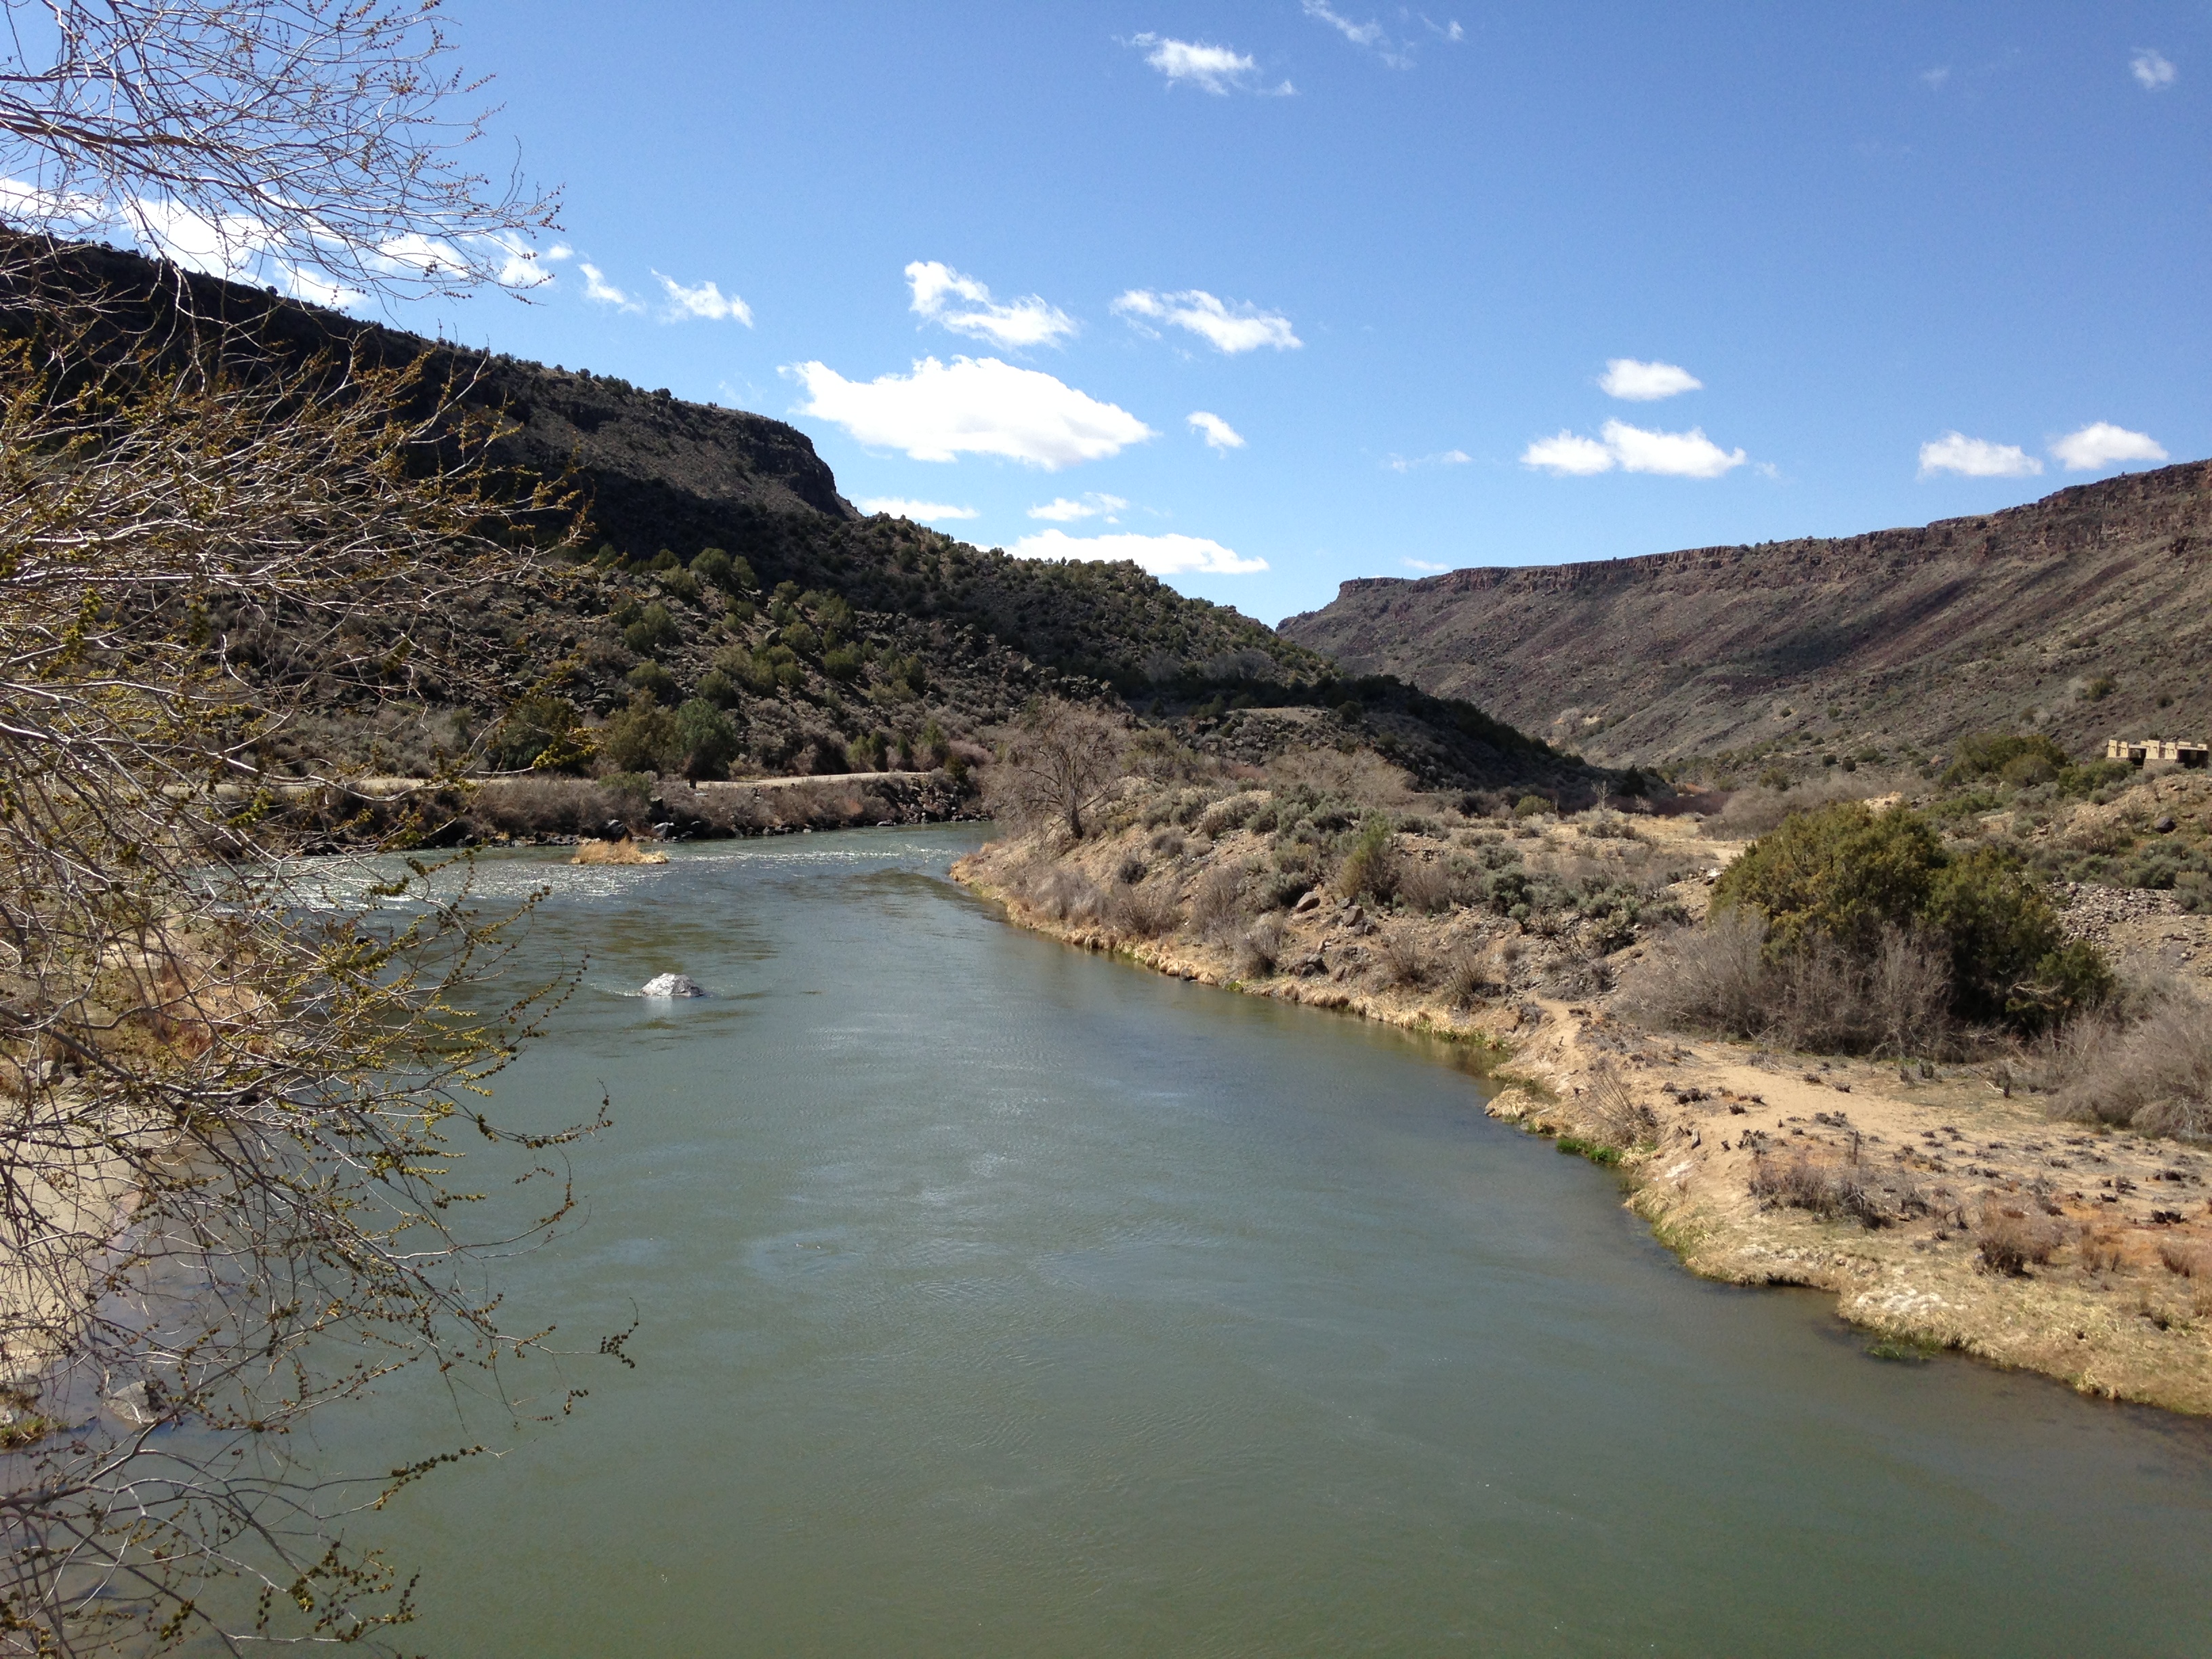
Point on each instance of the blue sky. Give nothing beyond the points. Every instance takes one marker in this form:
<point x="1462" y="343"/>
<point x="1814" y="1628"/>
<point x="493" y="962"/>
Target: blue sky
<point x="1908" y="254"/>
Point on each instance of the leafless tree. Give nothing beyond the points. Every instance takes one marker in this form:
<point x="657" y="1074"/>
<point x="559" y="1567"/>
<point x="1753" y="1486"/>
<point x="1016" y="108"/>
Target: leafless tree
<point x="326" y="145"/>
<point x="228" y="1103"/>
<point x="1058" y="762"/>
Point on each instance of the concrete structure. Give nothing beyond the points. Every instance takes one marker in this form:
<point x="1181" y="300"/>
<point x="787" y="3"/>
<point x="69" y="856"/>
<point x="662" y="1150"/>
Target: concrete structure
<point x="2136" y="750"/>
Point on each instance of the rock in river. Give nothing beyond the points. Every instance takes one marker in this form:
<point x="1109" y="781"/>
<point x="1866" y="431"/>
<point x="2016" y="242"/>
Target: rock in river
<point x="672" y="985"/>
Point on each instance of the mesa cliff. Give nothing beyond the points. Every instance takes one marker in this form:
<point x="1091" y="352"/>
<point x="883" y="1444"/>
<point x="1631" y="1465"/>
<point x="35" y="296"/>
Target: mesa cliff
<point x="2086" y="614"/>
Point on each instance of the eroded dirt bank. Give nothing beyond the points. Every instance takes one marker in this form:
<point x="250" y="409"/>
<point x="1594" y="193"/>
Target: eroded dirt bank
<point x="1720" y="1145"/>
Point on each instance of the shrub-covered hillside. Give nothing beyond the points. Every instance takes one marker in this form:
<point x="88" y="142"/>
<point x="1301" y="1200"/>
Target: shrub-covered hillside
<point x="708" y="601"/>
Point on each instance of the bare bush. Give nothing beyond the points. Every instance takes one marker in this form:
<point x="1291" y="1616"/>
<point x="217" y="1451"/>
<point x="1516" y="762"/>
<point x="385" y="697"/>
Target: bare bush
<point x="1060" y="892"/>
<point x="1215" y="905"/>
<point x="2010" y="1241"/>
<point x="1753" y="813"/>
<point x="1466" y="976"/>
<point x="1261" y="948"/>
<point x="1142" y="912"/>
<point x="1430" y="885"/>
<point x="1403" y="959"/>
<point x="1799" y="1183"/>
<point x="2152" y="1074"/>
<point x="1709" y="978"/>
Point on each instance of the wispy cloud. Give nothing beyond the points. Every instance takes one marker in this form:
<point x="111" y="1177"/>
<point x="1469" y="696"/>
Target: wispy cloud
<point x="1635" y="382"/>
<point x="2102" y="444"/>
<point x="1632" y="449"/>
<point x="1415" y="463"/>
<point x="1423" y="564"/>
<point x="920" y="512"/>
<point x="964" y="306"/>
<point x="1976" y="458"/>
<point x="1062" y="510"/>
<point x="704" y="300"/>
<point x="1373" y="36"/>
<point x="1219" y="435"/>
<point x="2152" y="69"/>
<point x="1228" y="328"/>
<point x="1164" y="555"/>
<point x="1933" y="79"/>
<point x="600" y="291"/>
<point x="971" y="406"/>
<point x="1217" y="70"/>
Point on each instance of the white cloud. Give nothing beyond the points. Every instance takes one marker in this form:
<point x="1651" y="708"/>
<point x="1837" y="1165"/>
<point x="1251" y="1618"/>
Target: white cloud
<point x="920" y="512"/>
<point x="1632" y="449"/>
<point x="1216" y="69"/>
<point x="1451" y="31"/>
<point x="1976" y="458"/>
<point x="1164" y="555"/>
<point x="705" y="300"/>
<point x="1423" y="564"/>
<point x="1360" y="34"/>
<point x="1243" y="328"/>
<point x="1062" y="510"/>
<point x="973" y="405"/>
<point x="560" y="250"/>
<point x="2102" y="444"/>
<point x="1217" y="433"/>
<point x="1012" y="326"/>
<point x="1671" y="455"/>
<point x="1569" y="455"/>
<point x="1635" y="382"/>
<point x="1415" y="463"/>
<point x="1934" y="79"/>
<point x="2152" y="69"/>
<point x="600" y="291"/>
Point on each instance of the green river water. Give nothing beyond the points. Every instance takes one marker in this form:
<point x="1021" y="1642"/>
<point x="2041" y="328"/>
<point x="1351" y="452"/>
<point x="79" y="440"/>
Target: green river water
<point x="999" y="1299"/>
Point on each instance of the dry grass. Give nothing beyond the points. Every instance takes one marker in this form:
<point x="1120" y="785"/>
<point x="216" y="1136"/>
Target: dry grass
<point x="1615" y="1116"/>
<point x="2184" y="1259"/>
<point x="1214" y="906"/>
<point x="1799" y="1183"/>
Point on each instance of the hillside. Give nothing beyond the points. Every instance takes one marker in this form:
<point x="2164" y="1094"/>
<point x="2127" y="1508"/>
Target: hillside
<point x="828" y="639"/>
<point x="2087" y="614"/>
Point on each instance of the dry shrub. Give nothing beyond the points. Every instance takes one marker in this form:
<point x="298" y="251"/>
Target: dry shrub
<point x="1168" y="843"/>
<point x="1144" y="912"/>
<point x="2152" y="1074"/>
<point x="1615" y="1116"/>
<point x="1752" y="812"/>
<point x="1466" y="975"/>
<point x="1213" y="906"/>
<point x="1060" y="892"/>
<point x="1428" y="885"/>
<point x="1709" y="978"/>
<point x="2008" y="1241"/>
<point x="1224" y="816"/>
<point x="1799" y="1183"/>
<point x="1722" y="978"/>
<point x="1403" y="959"/>
<point x="2186" y="1258"/>
<point x="1361" y="777"/>
<point x="2101" y="1250"/>
<point x="1261" y="948"/>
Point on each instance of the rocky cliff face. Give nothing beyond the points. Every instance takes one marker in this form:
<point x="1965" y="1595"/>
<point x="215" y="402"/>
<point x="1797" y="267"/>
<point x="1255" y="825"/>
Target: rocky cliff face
<point x="2086" y="614"/>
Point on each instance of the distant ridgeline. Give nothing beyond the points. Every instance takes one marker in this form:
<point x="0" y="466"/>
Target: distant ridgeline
<point x="2080" y="615"/>
<point x="822" y="634"/>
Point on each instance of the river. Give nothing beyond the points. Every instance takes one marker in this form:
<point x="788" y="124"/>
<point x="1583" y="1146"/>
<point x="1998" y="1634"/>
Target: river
<point x="999" y="1299"/>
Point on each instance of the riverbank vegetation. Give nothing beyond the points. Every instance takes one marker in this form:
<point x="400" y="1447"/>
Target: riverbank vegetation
<point x="1844" y="1034"/>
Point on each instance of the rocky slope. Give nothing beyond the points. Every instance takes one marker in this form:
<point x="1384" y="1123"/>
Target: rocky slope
<point x="2086" y="614"/>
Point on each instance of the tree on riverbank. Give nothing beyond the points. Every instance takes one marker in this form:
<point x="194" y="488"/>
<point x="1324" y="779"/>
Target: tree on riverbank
<point x="228" y="1103"/>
